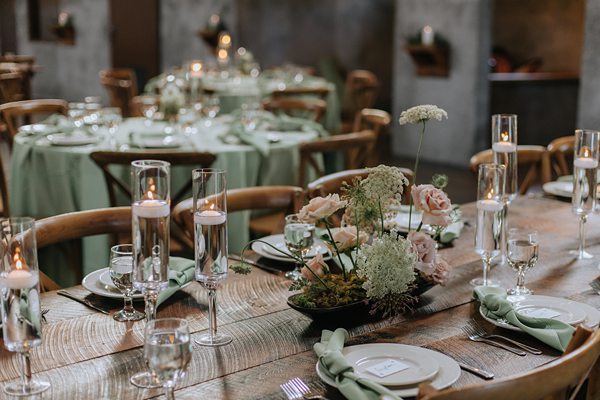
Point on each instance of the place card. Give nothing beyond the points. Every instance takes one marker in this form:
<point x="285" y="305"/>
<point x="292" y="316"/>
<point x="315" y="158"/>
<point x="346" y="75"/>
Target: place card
<point x="386" y="368"/>
<point x="539" y="313"/>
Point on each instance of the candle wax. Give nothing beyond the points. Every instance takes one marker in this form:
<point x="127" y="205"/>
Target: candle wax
<point x="489" y="205"/>
<point x="427" y="36"/>
<point x="210" y="217"/>
<point x="504" y="147"/>
<point x="585" y="162"/>
<point x="20" y="279"/>
<point x="151" y="208"/>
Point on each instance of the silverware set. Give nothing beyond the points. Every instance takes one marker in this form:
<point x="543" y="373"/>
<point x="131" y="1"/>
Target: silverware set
<point x="296" y="389"/>
<point x="476" y="333"/>
<point x="83" y="301"/>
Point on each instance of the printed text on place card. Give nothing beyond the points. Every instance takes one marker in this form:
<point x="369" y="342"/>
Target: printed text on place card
<point x="386" y="368"/>
<point x="539" y="313"/>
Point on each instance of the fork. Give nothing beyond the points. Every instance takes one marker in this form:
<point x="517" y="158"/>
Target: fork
<point x="296" y="389"/>
<point x="44" y="312"/>
<point x="472" y="335"/>
<point x="478" y="329"/>
<point x="595" y="284"/>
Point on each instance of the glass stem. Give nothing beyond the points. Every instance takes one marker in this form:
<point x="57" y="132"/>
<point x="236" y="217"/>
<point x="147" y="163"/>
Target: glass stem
<point x="504" y="243"/>
<point x="521" y="279"/>
<point x="150" y="297"/>
<point x="487" y="264"/>
<point x="212" y="311"/>
<point x="582" y="221"/>
<point x="170" y="392"/>
<point x="25" y="369"/>
<point x="128" y="304"/>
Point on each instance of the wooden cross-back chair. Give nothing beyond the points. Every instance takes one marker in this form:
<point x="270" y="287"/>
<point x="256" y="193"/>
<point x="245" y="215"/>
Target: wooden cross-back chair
<point x="529" y="157"/>
<point x="313" y="109"/>
<point x="121" y="84"/>
<point x="357" y="148"/>
<point x="552" y="381"/>
<point x="360" y="91"/>
<point x="283" y="199"/>
<point x="18" y="113"/>
<point x="375" y="120"/>
<point x="136" y="104"/>
<point x="11" y="87"/>
<point x="559" y="158"/>
<point x="320" y="92"/>
<point x="106" y="159"/>
<point x="76" y="225"/>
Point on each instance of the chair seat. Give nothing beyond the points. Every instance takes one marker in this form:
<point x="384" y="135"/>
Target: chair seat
<point x="268" y="224"/>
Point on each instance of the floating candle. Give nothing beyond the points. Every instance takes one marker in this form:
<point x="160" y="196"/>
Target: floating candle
<point x="489" y="205"/>
<point x="151" y="208"/>
<point x="585" y="163"/>
<point x="196" y="70"/>
<point x="210" y="217"/>
<point x="20" y="277"/>
<point x="427" y="36"/>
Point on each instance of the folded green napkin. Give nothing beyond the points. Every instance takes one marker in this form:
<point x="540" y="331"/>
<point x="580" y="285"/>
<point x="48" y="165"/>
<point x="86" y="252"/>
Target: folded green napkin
<point x="285" y="122"/>
<point x="451" y="232"/>
<point x="181" y="271"/>
<point x="333" y="363"/>
<point x="261" y="144"/>
<point x="550" y="331"/>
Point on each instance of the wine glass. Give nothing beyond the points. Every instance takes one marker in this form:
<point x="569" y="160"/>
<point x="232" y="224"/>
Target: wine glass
<point x="121" y="271"/>
<point x="77" y="114"/>
<point x="21" y="313"/>
<point x="112" y="117"/>
<point x="167" y="351"/>
<point x="211" y="107"/>
<point x="585" y="180"/>
<point x="299" y="238"/>
<point x="150" y="231"/>
<point x="149" y="107"/>
<point x="210" y="243"/>
<point x="522" y="254"/>
<point x="490" y="218"/>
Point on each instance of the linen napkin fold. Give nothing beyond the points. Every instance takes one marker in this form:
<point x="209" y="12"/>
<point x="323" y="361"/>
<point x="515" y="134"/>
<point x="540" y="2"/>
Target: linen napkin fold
<point x="333" y="363"/>
<point x="181" y="271"/>
<point x="550" y="331"/>
<point x="451" y="232"/>
<point x="261" y="144"/>
<point x="285" y="122"/>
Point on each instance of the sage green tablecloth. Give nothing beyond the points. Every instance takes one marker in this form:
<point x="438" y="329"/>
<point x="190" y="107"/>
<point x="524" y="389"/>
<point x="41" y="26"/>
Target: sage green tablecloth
<point x="48" y="180"/>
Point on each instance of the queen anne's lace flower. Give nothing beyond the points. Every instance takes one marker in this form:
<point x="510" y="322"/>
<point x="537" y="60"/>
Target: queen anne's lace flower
<point x="385" y="183"/>
<point x="388" y="264"/>
<point x="417" y="114"/>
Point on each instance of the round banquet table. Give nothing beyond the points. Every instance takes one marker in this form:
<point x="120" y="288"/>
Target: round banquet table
<point x="48" y="179"/>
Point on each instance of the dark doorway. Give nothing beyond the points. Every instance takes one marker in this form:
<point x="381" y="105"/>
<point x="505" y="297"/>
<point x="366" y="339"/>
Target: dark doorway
<point x="135" y="37"/>
<point x="8" y="34"/>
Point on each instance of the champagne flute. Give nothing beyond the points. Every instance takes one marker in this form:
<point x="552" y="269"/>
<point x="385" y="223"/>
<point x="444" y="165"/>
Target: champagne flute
<point x="167" y="351"/>
<point x="210" y="243"/>
<point x="21" y="313"/>
<point x="585" y="181"/>
<point x="150" y="232"/>
<point x="490" y="218"/>
<point x="121" y="272"/>
<point x="299" y="238"/>
<point x="522" y="254"/>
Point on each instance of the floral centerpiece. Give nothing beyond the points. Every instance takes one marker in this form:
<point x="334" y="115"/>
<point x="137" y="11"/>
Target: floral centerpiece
<point x="373" y="264"/>
<point x="172" y="99"/>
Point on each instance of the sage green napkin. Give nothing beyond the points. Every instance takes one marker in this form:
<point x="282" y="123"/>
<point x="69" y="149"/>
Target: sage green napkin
<point x="181" y="271"/>
<point x="451" y="232"/>
<point x="333" y="363"/>
<point x="261" y="144"/>
<point x="283" y="123"/>
<point x="550" y="331"/>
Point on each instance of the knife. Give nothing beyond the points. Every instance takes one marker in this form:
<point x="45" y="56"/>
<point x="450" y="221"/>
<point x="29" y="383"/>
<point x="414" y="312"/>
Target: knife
<point x="85" y="302"/>
<point x="476" y="371"/>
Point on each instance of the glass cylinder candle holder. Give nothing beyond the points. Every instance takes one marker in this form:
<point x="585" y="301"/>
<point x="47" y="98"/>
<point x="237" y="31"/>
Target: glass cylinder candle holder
<point x="21" y="312"/>
<point x="195" y="75"/>
<point x="210" y="242"/>
<point x="585" y="180"/>
<point x="504" y="147"/>
<point x="490" y="218"/>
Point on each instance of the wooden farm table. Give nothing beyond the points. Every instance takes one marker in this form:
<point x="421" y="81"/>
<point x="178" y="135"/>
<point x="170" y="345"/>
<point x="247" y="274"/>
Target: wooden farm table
<point x="88" y="355"/>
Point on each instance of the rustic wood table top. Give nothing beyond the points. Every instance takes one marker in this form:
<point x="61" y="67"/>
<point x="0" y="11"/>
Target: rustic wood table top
<point x="88" y="355"/>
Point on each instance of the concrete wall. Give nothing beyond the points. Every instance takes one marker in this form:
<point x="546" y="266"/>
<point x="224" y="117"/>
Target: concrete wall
<point x="69" y="72"/>
<point x="589" y="83"/>
<point x="463" y="94"/>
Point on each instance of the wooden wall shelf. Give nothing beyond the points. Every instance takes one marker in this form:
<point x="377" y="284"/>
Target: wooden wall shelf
<point x="64" y="34"/>
<point x="431" y="60"/>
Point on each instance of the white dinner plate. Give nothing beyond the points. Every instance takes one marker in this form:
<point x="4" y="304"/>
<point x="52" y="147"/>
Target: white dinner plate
<point x="561" y="188"/>
<point x="421" y="366"/>
<point x="35" y="129"/>
<point x="158" y="142"/>
<point x="571" y="312"/>
<point x="99" y="282"/>
<point x="448" y="373"/>
<point x="277" y="240"/>
<point x="73" y="139"/>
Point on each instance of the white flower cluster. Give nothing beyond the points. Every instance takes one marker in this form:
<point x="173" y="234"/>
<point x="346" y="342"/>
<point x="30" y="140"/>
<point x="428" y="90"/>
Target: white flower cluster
<point x="172" y="99"/>
<point x="385" y="183"/>
<point x="422" y="113"/>
<point x="388" y="264"/>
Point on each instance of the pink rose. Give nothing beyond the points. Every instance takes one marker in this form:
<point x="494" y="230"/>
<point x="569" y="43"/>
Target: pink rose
<point x="423" y="245"/>
<point x="317" y="265"/>
<point x="434" y="203"/>
<point x="441" y="271"/>
<point x="321" y="207"/>
<point x="345" y="238"/>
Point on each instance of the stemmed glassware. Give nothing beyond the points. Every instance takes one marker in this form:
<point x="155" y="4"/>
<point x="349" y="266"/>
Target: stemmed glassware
<point x="211" y="107"/>
<point x="21" y="313"/>
<point x="585" y="166"/>
<point x="149" y="107"/>
<point x="490" y="218"/>
<point x="299" y="238"/>
<point x="77" y="114"/>
<point x="121" y="274"/>
<point x="112" y="117"/>
<point x="167" y="351"/>
<point x="150" y="232"/>
<point x="522" y="254"/>
<point x="210" y="242"/>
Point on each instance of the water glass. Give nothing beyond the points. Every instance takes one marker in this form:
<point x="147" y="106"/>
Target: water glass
<point x="77" y="113"/>
<point x="111" y="118"/>
<point x="148" y="107"/>
<point x="167" y="351"/>
<point x="20" y="300"/>
<point x="490" y="218"/>
<point x="211" y="106"/>
<point x="299" y="238"/>
<point x="150" y="232"/>
<point x="522" y="254"/>
<point x="585" y="181"/>
<point x="121" y="274"/>
<point x="210" y="242"/>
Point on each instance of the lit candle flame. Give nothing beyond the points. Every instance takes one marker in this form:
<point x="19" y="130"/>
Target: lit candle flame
<point x="490" y="194"/>
<point x="196" y="67"/>
<point x="504" y="136"/>
<point x="222" y="54"/>
<point x="18" y="259"/>
<point x="225" y="39"/>
<point x="585" y="152"/>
